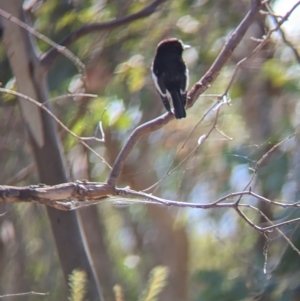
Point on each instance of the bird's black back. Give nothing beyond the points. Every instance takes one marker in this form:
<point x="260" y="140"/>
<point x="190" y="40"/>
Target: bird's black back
<point x="170" y="75"/>
<point x="169" y="66"/>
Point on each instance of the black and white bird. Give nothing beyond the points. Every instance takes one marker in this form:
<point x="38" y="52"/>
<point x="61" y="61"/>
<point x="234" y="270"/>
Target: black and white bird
<point x="171" y="76"/>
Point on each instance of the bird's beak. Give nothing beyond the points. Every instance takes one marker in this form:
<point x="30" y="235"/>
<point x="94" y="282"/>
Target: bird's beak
<point x="186" y="46"/>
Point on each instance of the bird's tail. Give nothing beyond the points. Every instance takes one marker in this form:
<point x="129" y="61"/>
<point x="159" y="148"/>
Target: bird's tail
<point x="178" y="104"/>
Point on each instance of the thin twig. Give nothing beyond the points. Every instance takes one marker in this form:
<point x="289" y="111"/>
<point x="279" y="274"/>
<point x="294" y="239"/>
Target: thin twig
<point x="201" y="141"/>
<point x="260" y="46"/>
<point x="225" y="53"/>
<point x="41" y="106"/>
<point x="263" y="158"/>
<point x="58" y="48"/>
<point x="278" y="230"/>
<point x="283" y="35"/>
<point x="21" y="175"/>
<point x="196" y="90"/>
<point x="24" y="294"/>
<point x="189" y="156"/>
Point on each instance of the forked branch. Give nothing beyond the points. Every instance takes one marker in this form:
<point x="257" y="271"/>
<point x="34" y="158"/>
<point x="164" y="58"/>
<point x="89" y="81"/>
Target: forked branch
<point x="194" y="93"/>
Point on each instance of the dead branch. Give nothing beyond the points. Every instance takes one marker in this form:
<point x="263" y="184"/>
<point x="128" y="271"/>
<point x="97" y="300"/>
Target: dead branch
<point x="70" y="196"/>
<point x="57" y="196"/>
<point x="262" y="43"/>
<point x="282" y="33"/>
<point x="194" y="93"/>
<point x="225" y="54"/>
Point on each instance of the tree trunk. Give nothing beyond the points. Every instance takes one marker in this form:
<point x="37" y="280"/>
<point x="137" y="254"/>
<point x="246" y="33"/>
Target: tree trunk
<point x="31" y="81"/>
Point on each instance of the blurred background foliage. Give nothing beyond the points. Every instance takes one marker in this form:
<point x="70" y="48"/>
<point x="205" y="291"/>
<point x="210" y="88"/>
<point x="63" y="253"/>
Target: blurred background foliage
<point x="211" y="254"/>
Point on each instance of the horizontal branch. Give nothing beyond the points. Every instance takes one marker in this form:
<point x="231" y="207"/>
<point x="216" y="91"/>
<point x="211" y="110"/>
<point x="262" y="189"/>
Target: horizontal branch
<point x="70" y="196"/>
<point x="57" y="196"/>
<point x="84" y="191"/>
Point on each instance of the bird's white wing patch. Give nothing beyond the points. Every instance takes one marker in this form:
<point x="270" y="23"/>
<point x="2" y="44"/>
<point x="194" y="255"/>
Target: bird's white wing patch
<point x="168" y="96"/>
<point x="157" y="85"/>
<point x="186" y="72"/>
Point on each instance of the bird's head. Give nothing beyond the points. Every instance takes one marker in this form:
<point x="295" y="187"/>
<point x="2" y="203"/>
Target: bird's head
<point x="172" y="45"/>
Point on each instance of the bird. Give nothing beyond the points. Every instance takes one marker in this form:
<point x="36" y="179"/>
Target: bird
<point x="171" y="76"/>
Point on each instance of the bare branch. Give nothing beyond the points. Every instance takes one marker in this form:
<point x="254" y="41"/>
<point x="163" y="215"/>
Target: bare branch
<point x="48" y="58"/>
<point x="262" y="43"/>
<point x="196" y="90"/>
<point x="191" y="154"/>
<point x="140" y="131"/>
<point x="57" y="196"/>
<point x="58" y="48"/>
<point x="70" y="196"/>
<point x="260" y="161"/>
<point x="24" y="294"/>
<point x="43" y="107"/>
<point x="21" y="175"/>
<point x="225" y="54"/>
<point x="94" y="191"/>
<point x="72" y="95"/>
<point x="288" y="43"/>
<point x="282" y="33"/>
<point x="278" y="230"/>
